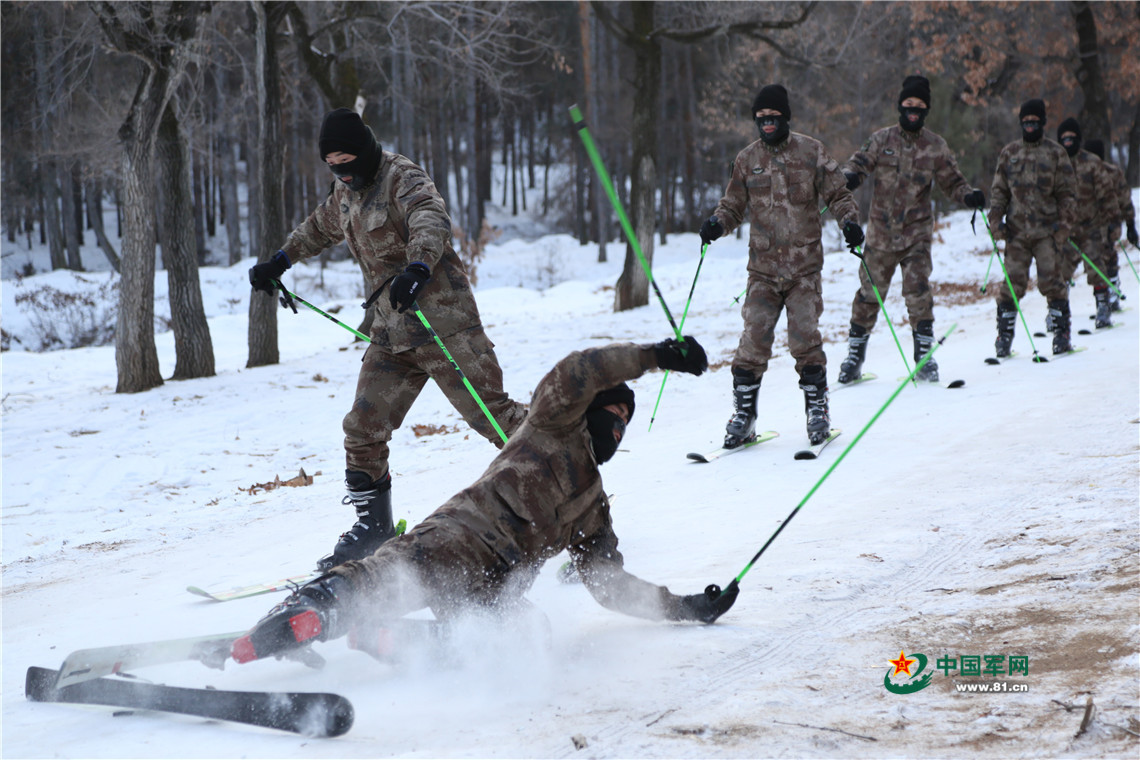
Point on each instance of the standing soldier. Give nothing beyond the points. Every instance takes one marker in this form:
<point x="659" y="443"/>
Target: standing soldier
<point x="1122" y="210"/>
<point x="1033" y="191"/>
<point x="779" y="182"/>
<point x="906" y="159"/>
<point x="1094" y="196"/>
<point x="396" y="225"/>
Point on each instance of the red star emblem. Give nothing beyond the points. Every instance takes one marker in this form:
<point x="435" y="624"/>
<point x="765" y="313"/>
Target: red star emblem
<point x="902" y="664"/>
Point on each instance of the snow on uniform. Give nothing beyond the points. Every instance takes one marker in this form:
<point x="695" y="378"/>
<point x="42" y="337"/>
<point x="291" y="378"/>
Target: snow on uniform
<point x="1093" y="195"/>
<point x="542" y="494"/>
<point x="1033" y="189"/>
<point x="1121" y="211"/>
<point x="781" y="189"/>
<point x="905" y="165"/>
<point x="397" y="220"/>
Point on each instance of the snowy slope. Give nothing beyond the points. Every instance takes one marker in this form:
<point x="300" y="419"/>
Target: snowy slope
<point x="998" y="519"/>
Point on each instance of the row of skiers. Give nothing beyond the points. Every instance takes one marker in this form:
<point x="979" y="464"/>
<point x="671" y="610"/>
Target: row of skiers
<point x="543" y="493"/>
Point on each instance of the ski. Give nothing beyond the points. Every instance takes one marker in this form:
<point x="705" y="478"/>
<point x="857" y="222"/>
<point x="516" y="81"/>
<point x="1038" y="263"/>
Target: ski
<point x="1070" y="352"/>
<point x="1002" y="360"/>
<point x="950" y="384"/>
<point x="865" y="377"/>
<point x="310" y="714"/>
<point x="718" y="453"/>
<point x="813" y="451"/>
<point x="87" y="664"/>
<point x="243" y="592"/>
<point x="1100" y="329"/>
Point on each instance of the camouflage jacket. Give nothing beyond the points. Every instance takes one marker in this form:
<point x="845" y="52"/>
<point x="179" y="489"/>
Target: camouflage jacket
<point x="543" y="492"/>
<point x="1121" y="209"/>
<point x="905" y="165"/>
<point x="1096" y="198"/>
<point x="1033" y="189"/>
<point x="398" y="219"/>
<point x="781" y="189"/>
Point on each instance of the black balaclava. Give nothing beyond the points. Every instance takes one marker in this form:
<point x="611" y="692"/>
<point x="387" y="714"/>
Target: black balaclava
<point x="914" y="87"/>
<point x="601" y="422"/>
<point x="344" y="131"/>
<point x="773" y="96"/>
<point x="1036" y="108"/>
<point x="1072" y="144"/>
<point x="1096" y="147"/>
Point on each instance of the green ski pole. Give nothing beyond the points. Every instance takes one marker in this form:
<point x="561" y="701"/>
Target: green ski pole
<point x="1009" y="283"/>
<point x="1097" y="270"/>
<point x="684" y="314"/>
<point x="287" y="301"/>
<point x="1124" y="250"/>
<point x="883" y="308"/>
<point x="463" y="377"/>
<point x="840" y="458"/>
<point x="599" y="167"/>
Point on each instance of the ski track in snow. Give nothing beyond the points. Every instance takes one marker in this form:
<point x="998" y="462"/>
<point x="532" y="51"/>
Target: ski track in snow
<point x="1000" y="518"/>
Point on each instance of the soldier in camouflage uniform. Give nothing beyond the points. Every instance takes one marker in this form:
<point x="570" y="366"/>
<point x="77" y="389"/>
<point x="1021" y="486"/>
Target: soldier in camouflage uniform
<point x="1033" y="191"/>
<point x="778" y="184"/>
<point x="905" y="159"/>
<point x="485" y="546"/>
<point x="1121" y="210"/>
<point x="1094" y="194"/>
<point x="396" y="225"/>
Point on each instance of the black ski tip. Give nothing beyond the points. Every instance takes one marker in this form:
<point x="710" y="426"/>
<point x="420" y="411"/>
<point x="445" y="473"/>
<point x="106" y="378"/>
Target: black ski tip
<point x="336" y="716"/>
<point x="805" y="454"/>
<point x="1038" y="335"/>
<point x="1039" y="359"/>
<point x="956" y="384"/>
<point x="697" y="457"/>
<point x="992" y="360"/>
<point x="1084" y="332"/>
<point x="39" y="684"/>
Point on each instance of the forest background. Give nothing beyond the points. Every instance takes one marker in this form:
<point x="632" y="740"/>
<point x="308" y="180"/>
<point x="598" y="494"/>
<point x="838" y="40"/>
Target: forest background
<point x="195" y="123"/>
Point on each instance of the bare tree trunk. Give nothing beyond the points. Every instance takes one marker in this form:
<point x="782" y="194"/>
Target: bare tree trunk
<point x="67" y="219"/>
<point x="95" y="217"/>
<point x="262" y="335"/>
<point x="474" y="220"/>
<point x="1132" y="172"/>
<point x="597" y="202"/>
<point x="632" y="289"/>
<point x="193" y="348"/>
<point x="51" y="228"/>
<point x="1094" y="113"/>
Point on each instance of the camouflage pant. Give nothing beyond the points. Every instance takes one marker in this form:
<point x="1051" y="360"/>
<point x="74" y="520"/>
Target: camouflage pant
<point x="1091" y="244"/>
<point x="916" y="268"/>
<point x="390" y="383"/>
<point x="767" y="297"/>
<point x="441" y="564"/>
<point x="1019" y="254"/>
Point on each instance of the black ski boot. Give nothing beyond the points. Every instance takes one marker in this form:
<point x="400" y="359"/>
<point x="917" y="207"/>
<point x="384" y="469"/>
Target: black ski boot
<point x="314" y="612"/>
<point x="742" y="427"/>
<point x="373" y="504"/>
<point x="1006" y="319"/>
<point x="1103" y="308"/>
<point x="923" y="343"/>
<point x="1113" y="299"/>
<point x="1061" y="326"/>
<point x="852" y="367"/>
<point x="813" y="382"/>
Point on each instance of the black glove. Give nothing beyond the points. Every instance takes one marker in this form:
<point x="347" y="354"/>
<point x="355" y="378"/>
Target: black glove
<point x="676" y="356"/>
<point x="975" y="199"/>
<point x="1132" y="237"/>
<point x="706" y="607"/>
<point x="711" y="230"/>
<point x="853" y="234"/>
<point x="407" y="285"/>
<point x="854" y="179"/>
<point x="261" y="276"/>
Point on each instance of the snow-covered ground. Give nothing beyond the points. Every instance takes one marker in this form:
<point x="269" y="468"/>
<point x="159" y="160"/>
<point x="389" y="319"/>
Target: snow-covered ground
<point x="997" y="520"/>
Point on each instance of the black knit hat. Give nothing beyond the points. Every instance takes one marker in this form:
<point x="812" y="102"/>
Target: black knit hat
<point x="1096" y="147"/>
<point x="915" y="86"/>
<point x="619" y="394"/>
<point x="1069" y="125"/>
<point x="772" y="96"/>
<point x="344" y="131"/>
<point x="1035" y="107"/>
